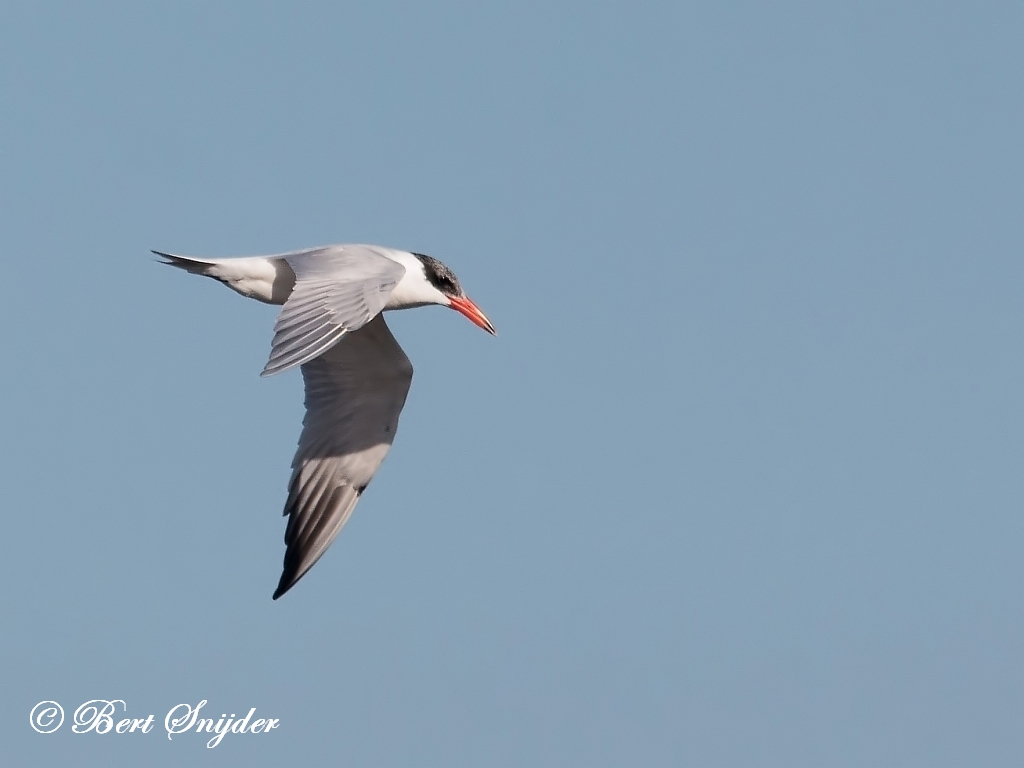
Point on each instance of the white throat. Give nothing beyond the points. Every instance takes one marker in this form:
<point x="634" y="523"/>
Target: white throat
<point x="413" y="290"/>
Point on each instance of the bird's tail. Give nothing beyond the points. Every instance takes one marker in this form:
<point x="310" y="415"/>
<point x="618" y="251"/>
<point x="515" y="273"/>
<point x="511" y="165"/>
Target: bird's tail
<point x="265" y="278"/>
<point x="193" y="264"/>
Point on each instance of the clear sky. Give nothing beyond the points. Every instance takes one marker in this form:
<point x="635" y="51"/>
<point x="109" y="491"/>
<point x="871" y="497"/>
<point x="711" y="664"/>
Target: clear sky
<point x="739" y="482"/>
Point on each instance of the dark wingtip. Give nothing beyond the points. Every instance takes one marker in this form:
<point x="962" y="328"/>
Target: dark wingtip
<point x="288" y="579"/>
<point x="282" y="587"/>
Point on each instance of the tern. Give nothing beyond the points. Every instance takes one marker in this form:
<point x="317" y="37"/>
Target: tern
<point x="356" y="375"/>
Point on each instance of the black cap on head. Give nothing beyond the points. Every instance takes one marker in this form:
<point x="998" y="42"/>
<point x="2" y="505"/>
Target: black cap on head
<point x="440" y="276"/>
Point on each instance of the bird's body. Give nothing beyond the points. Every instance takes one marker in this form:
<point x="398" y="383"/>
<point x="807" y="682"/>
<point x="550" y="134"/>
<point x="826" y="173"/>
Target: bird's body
<point x="355" y="373"/>
<point x="270" y="279"/>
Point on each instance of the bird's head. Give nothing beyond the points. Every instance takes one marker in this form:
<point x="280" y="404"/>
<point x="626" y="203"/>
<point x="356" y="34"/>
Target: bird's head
<point x="444" y="281"/>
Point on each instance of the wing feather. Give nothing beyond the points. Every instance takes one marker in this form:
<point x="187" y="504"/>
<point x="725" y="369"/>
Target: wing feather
<point x="355" y="392"/>
<point x="338" y="289"/>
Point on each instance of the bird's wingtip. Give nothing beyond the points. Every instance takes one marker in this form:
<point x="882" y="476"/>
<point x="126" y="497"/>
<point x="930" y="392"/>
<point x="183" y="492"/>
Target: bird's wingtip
<point x="287" y="582"/>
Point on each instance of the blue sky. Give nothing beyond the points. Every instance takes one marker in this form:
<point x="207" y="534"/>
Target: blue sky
<point x="738" y="482"/>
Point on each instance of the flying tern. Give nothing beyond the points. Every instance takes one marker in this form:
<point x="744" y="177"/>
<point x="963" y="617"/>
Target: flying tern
<point x="355" y="373"/>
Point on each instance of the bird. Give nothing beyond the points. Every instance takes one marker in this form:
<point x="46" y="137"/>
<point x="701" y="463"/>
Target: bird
<point x="356" y="376"/>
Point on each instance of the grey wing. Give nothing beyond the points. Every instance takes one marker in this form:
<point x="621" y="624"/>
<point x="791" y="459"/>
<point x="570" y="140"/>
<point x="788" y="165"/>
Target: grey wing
<point x="337" y="290"/>
<point x="354" y="395"/>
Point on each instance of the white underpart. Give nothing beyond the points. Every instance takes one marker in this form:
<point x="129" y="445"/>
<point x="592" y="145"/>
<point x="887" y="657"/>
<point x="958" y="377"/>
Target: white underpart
<point x="265" y="279"/>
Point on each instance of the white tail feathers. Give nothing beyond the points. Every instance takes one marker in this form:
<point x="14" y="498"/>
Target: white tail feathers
<point x="269" y="280"/>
